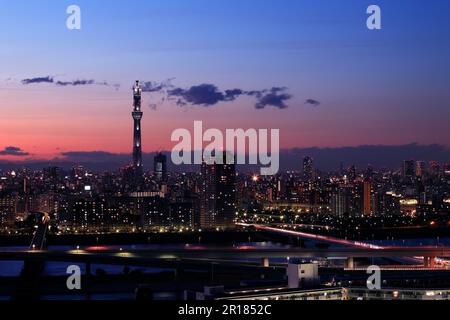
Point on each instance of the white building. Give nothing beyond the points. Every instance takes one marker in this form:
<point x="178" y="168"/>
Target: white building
<point x="302" y="275"/>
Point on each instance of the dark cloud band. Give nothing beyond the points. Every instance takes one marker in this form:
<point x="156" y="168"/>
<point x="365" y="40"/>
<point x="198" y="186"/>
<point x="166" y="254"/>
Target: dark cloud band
<point x="61" y="83"/>
<point x="75" y="83"/>
<point x="47" y="79"/>
<point x="13" y="151"/>
<point x="326" y="158"/>
<point x="209" y="95"/>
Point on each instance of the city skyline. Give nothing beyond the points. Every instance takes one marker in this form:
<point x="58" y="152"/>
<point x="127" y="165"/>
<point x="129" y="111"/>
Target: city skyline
<point x="336" y="83"/>
<point x="327" y="159"/>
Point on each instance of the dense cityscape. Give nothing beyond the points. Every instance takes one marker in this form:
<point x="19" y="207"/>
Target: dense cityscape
<point x="81" y="201"/>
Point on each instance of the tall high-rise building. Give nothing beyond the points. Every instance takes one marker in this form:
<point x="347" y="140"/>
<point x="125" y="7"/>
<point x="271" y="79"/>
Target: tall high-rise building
<point x="367" y="197"/>
<point x="435" y="167"/>
<point x="308" y="169"/>
<point x="341" y="200"/>
<point x="160" y="166"/>
<point x="52" y="175"/>
<point x="137" y="142"/>
<point x="409" y="169"/>
<point x="218" y="195"/>
<point x="8" y="209"/>
<point x="420" y="168"/>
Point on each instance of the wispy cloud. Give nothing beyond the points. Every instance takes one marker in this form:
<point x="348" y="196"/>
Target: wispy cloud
<point x="312" y="102"/>
<point x="66" y="83"/>
<point x="75" y="83"/>
<point x="155" y="86"/>
<point x="35" y="80"/>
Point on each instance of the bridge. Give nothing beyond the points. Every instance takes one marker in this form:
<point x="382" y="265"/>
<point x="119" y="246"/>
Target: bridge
<point x="192" y="254"/>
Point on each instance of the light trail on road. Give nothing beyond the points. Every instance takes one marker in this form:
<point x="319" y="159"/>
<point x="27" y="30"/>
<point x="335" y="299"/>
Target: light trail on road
<point x="333" y="240"/>
<point x="355" y="244"/>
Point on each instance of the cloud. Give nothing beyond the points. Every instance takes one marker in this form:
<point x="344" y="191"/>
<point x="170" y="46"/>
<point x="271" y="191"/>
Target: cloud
<point x="157" y="87"/>
<point x="153" y="106"/>
<point x="275" y="97"/>
<point x="77" y="83"/>
<point x="328" y="159"/>
<point x="62" y="83"/>
<point x="88" y="156"/>
<point x="154" y="86"/>
<point x="13" y="151"/>
<point x="46" y="79"/>
<point x="379" y="156"/>
<point x="198" y="95"/>
<point x="312" y="102"/>
<point x="231" y="95"/>
<point x="209" y="95"/>
<point x="204" y="94"/>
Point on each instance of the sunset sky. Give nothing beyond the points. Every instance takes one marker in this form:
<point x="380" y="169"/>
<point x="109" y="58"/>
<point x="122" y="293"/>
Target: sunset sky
<point x="323" y="78"/>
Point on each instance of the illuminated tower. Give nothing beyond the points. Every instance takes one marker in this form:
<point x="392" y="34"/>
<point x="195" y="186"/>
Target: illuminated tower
<point x="137" y="143"/>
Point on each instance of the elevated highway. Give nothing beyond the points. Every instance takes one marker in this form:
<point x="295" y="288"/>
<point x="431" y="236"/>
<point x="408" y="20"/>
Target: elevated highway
<point x="205" y="254"/>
